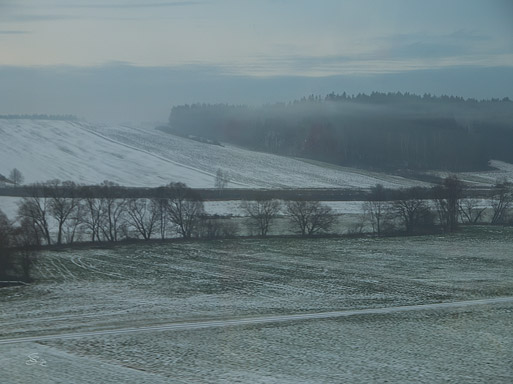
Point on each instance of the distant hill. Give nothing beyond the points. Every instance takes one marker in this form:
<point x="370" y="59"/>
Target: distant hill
<point x="381" y="131"/>
<point x="40" y="116"/>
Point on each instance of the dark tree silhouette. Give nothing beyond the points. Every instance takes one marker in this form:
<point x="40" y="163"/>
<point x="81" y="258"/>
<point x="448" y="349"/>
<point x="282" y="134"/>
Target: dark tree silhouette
<point x="36" y="209"/>
<point x="377" y="208"/>
<point x="185" y="209"/>
<point x="262" y="212"/>
<point x="310" y="217"/>
<point x="470" y="211"/>
<point x="16" y="177"/>
<point x="502" y="198"/>
<point x="63" y="203"/>
<point x="447" y="200"/>
<point x="6" y="259"/>
<point x="222" y="179"/>
<point x="143" y="215"/>
<point x="113" y="215"/>
<point x="412" y="210"/>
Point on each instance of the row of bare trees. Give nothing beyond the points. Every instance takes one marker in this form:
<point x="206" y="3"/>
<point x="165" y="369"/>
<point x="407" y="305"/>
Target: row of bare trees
<point x="420" y="210"/>
<point x="99" y="214"/>
<point x="96" y="214"/>
<point x="103" y="216"/>
<point x="308" y="217"/>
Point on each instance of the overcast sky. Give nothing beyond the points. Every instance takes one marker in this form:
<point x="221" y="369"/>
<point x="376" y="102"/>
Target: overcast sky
<point x="131" y="60"/>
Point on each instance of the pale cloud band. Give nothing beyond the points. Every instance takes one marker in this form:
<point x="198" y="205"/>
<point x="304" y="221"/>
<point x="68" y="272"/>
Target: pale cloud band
<point x="264" y="38"/>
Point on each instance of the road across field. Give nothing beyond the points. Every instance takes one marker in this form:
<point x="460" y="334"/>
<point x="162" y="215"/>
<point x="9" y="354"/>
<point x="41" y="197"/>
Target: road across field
<point x="263" y="320"/>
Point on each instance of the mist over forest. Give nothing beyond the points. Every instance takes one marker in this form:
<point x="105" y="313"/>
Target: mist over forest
<point x="383" y="131"/>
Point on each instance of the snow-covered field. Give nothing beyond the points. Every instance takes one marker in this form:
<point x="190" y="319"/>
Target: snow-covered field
<point x="107" y="291"/>
<point x="44" y="150"/>
<point x="89" y="153"/>
<point x="143" y="156"/>
<point x="502" y="171"/>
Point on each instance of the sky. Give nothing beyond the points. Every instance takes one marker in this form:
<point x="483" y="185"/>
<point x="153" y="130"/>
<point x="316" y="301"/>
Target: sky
<point x="131" y="60"/>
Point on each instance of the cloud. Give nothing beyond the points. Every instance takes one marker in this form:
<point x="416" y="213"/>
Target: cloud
<point x="35" y="13"/>
<point x="409" y="58"/>
<point x="136" y="5"/>
<point x="35" y="17"/>
<point x="461" y="47"/>
<point x="458" y="35"/>
<point x="14" y="32"/>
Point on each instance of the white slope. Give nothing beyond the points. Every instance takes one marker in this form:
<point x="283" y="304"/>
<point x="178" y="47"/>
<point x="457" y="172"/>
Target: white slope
<point x="500" y="171"/>
<point x="246" y="168"/>
<point x="131" y="156"/>
<point x="44" y="150"/>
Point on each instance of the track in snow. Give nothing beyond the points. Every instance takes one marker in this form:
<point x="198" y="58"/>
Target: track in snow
<point x="262" y="320"/>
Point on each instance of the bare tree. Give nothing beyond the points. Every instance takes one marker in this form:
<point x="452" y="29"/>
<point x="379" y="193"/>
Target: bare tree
<point x="5" y="230"/>
<point x="222" y="179"/>
<point x="471" y="211"/>
<point x="502" y="198"/>
<point x="75" y="222"/>
<point x="310" y="217"/>
<point x="16" y="177"/>
<point x="262" y="212"/>
<point x="412" y="211"/>
<point x="377" y="208"/>
<point x="63" y="203"/>
<point x="93" y="213"/>
<point x="447" y="200"/>
<point x="184" y="209"/>
<point x="27" y="234"/>
<point x="113" y="212"/>
<point x="113" y="217"/>
<point x="162" y="204"/>
<point x="143" y="216"/>
<point x="36" y="209"/>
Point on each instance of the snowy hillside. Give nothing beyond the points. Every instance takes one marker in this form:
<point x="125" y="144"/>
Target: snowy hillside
<point x="88" y="153"/>
<point x="44" y="150"/>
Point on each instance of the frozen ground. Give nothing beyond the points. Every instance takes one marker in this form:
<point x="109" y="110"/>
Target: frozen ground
<point x="132" y="156"/>
<point x="99" y="290"/>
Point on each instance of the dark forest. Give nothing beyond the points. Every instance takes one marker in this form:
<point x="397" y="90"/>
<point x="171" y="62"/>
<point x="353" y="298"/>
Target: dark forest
<point x="382" y="131"/>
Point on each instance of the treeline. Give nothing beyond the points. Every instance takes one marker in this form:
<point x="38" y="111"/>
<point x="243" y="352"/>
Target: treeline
<point x="38" y="116"/>
<point x="58" y="212"/>
<point x="207" y="194"/>
<point x="382" y="130"/>
<point x="412" y="213"/>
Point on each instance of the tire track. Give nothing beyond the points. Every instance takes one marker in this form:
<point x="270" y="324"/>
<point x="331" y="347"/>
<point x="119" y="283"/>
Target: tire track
<point x="76" y="260"/>
<point x="271" y="319"/>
